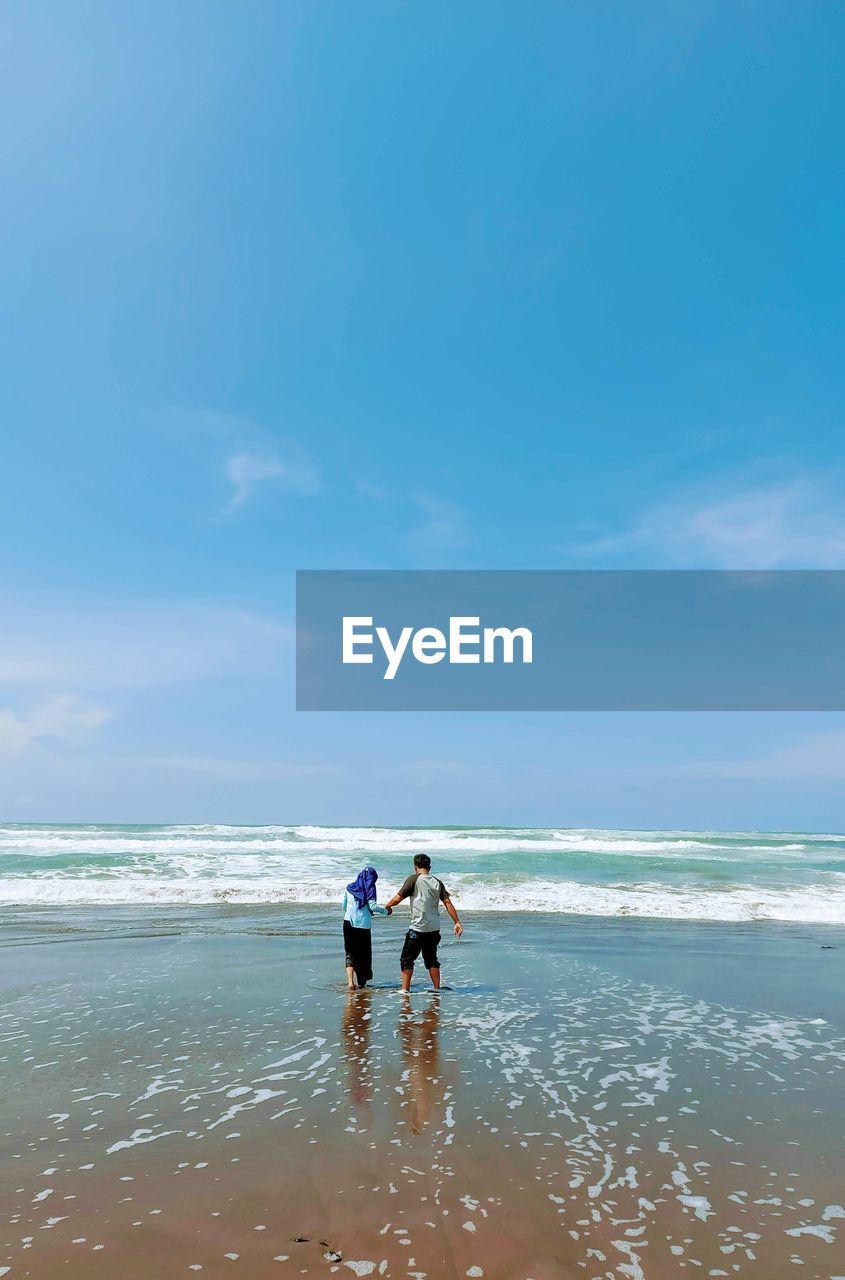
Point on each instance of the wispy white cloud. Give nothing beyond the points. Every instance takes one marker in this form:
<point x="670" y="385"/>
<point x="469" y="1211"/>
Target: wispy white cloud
<point x="65" y="718"/>
<point x="224" y="769"/>
<point x="438" y="773"/>
<point x="91" y="647"/>
<point x="245" y="471"/>
<point x="816" y="756"/>
<point x="799" y="523"/>
<point x="248" y="454"/>
<point x="443" y="525"/>
<point x="378" y="493"/>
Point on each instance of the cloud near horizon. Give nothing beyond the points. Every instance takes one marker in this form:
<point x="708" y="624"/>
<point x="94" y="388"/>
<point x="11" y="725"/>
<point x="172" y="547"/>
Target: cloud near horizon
<point x="96" y="646"/>
<point x="818" y="756"/>
<point x="65" y="718"/>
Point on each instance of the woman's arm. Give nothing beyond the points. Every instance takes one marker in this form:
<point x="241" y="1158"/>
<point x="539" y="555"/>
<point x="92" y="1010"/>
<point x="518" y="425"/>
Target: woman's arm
<point x="379" y="911"/>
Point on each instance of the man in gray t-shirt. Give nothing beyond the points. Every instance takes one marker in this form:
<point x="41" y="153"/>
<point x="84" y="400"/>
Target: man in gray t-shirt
<point x="426" y="892"/>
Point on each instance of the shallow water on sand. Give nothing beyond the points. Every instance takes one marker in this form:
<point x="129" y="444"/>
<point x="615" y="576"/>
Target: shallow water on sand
<point x="197" y="1091"/>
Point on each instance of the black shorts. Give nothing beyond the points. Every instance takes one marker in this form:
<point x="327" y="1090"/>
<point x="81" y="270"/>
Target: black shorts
<point x="358" y="944"/>
<point x="420" y="942"/>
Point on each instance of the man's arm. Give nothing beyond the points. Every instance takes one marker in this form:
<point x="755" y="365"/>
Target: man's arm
<point x="450" y="907"/>
<point x="404" y="892"/>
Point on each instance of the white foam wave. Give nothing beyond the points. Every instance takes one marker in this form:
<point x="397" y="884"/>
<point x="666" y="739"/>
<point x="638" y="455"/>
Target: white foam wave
<point x="804" y="905"/>
<point x="781" y="876"/>
<point x="53" y="841"/>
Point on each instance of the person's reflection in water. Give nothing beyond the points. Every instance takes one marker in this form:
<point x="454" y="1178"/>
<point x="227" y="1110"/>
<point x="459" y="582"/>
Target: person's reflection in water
<point x="355" y="1040"/>
<point x="420" y="1041"/>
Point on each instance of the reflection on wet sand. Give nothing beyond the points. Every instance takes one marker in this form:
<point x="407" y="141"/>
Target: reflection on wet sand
<point x="173" y="1104"/>
<point x="419" y="1038"/>
<point x="355" y="1041"/>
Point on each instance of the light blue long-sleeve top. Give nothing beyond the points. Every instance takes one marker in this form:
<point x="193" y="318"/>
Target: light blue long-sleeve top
<point x="361" y="917"/>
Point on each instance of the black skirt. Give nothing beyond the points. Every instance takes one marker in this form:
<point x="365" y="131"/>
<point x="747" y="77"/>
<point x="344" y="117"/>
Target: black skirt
<point x="359" y="951"/>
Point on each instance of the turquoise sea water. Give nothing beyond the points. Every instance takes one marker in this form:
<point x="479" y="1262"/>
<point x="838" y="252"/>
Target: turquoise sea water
<point x="731" y="876"/>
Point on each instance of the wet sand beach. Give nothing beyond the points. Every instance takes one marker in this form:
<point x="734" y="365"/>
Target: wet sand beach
<point x="194" y="1090"/>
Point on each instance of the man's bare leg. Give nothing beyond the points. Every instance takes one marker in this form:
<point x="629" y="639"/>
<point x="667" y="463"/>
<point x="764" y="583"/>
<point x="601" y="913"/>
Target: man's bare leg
<point x="407" y="975"/>
<point x="350" y="977"/>
<point x="434" y="974"/>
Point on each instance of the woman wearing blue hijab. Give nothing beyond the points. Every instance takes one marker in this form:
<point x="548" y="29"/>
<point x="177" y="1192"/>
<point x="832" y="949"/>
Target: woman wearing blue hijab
<point x="359" y="907"/>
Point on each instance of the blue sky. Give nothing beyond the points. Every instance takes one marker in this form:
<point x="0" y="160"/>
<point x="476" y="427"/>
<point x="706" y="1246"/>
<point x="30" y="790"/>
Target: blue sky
<point x="296" y="285"/>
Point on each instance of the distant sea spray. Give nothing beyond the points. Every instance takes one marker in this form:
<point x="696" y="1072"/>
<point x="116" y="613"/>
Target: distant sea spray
<point x="681" y="875"/>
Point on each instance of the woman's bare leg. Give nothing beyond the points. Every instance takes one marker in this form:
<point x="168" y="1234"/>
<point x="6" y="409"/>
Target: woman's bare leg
<point x="350" y="977"/>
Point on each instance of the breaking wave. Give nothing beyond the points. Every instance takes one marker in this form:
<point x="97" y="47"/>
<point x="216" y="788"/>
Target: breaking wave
<point x="681" y="875"/>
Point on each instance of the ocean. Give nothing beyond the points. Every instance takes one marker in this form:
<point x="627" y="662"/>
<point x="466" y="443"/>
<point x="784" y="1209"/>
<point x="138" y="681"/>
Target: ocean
<point x="670" y="875"/>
